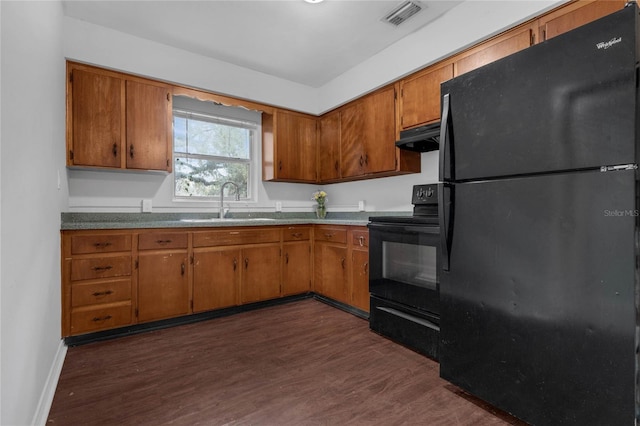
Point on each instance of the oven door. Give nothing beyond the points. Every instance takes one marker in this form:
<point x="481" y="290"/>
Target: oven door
<point x="403" y="261"/>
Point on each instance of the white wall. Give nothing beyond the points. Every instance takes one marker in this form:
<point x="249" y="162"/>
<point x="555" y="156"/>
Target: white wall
<point x="109" y="191"/>
<point x="32" y="152"/>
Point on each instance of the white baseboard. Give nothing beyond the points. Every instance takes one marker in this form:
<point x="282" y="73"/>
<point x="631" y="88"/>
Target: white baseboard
<point x="49" y="390"/>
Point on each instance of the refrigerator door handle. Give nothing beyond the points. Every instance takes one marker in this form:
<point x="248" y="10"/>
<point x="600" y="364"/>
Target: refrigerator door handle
<point x="444" y="130"/>
<point x="445" y="215"/>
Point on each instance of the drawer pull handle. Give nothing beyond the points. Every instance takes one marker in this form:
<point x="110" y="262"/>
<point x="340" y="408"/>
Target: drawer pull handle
<point x="102" y="245"/>
<point x="342" y="262"/>
<point x="102" y="268"/>
<point x="100" y="319"/>
<point x="361" y="240"/>
<point x="102" y="293"/>
<point x="115" y="150"/>
<point x="296" y="234"/>
<point x="182" y="269"/>
<point x="286" y="258"/>
<point x="235" y="263"/>
<point x="161" y="242"/>
<point x="328" y="235"/>
<point x="131" y="150"/>
<point x="234" y="233"/>
<point x="366" y="267"/>
<point x="246" y="263"/>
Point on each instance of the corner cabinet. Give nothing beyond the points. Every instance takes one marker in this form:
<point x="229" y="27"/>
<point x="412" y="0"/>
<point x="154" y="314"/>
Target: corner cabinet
<point x="117" y="121"/>
<point x="289" y="147"/>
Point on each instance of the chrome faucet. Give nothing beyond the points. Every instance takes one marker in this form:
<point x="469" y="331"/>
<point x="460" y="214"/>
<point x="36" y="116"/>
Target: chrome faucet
<point x="222" y="212"/>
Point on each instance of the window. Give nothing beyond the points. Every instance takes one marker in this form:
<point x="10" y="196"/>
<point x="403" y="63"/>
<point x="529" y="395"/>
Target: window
<point x="213" y="144"/>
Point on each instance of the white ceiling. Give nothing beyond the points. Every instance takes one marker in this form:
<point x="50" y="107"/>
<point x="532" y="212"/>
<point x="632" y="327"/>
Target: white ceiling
<point x="305" y="43"/>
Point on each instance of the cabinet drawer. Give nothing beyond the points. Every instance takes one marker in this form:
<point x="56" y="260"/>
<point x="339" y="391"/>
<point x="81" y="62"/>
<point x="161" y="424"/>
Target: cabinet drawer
<point x="106" y="243"/>
<point x="236" y="236"/>
<point x="333" y="234"/>
<point x="100" y="267"/>
<point x="162" y="240"/>
<point x="294" y="233"/>
<point x="101" y="292"/>
<point x="360" y="238"/>
<point x="101" y="317"/>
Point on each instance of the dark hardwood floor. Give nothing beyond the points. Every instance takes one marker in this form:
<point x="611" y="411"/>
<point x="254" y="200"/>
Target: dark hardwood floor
<point x="303" y="363"/>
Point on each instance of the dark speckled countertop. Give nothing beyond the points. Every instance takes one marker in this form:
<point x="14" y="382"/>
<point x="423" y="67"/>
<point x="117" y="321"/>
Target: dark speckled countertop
<point x="78" y="221"/>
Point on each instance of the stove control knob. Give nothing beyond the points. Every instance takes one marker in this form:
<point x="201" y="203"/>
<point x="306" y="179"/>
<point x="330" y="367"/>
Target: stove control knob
<point x="420" y="193"/>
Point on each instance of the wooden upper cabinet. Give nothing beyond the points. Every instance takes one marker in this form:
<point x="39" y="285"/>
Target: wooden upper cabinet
<point x="420" y="96"/>
<point x="351" y="138"/>
<point x="576" y="14"/>
<point x="94" y="119"/>
<point x="289" y="147"/>
<point x="367" y="131"/>
<point x="149" y="114"/>
<point x="329" y="166"/>
<point x="116" y="120"/>
<point x="492" y="50"/>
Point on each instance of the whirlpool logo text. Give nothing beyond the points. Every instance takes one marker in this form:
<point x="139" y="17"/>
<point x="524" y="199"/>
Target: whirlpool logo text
<point x="608" y="44"/>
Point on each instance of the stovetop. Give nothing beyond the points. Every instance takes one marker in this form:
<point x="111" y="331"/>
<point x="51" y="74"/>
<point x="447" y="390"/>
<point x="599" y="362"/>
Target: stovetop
<point x="425" y="207"/>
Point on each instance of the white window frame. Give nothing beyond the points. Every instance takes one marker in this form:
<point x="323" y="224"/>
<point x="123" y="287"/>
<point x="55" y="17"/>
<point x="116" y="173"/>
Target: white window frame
<point x="234" y="116"/>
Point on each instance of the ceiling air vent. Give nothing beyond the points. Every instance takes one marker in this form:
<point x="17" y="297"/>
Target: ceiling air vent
<point x="403" y="12"/>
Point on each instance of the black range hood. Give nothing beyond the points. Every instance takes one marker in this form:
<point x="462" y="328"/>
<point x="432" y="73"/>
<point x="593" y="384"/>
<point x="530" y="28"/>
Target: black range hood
<point x="421" y="139"/>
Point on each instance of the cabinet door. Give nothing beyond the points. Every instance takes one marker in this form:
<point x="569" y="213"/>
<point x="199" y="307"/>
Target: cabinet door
<point x="360" y="279"/>
<point x="511" y="42"/>
<point x="296" y="147"/>
<point x="148" y="126"/>
<point x="163" y="290"/>
<point x="94" y="119"/>
<point x="329" y="148"/>
<point x="296" y="271"/>
<point x="351" y="135"/>
<point x="380" y="132"/>
<point x="575" y="15"/>
<point x="420" y="96"/>
<point x="216" y="279"/>
<point x="260" y="273"/>
<point x="330" y="263"/>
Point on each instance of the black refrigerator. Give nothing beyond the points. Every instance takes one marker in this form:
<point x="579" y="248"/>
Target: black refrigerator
<point x="539" y="226"/>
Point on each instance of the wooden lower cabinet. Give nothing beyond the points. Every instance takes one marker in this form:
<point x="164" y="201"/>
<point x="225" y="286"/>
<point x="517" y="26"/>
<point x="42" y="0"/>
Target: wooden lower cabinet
<point x="341" y="264"/>
<point x="97" y="283"/>
<point x="261" y="273"/>
<point x="216" y="278"/>
<point x="163" y="286"/>
<point x="296" y="260"/>
<point x="117" y="278"/>
<point x="359" y="273"/>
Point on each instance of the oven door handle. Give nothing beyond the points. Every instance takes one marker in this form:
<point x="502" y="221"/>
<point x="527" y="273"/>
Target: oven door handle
<point x="404" y="229"/>
<point x="445" y="215"/>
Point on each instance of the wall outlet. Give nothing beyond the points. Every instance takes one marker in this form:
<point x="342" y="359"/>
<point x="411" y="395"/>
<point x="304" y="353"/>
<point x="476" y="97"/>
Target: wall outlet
<point x="361" y="205"/>
<point x="146" y="206"/>
<point x="278" y="206"/>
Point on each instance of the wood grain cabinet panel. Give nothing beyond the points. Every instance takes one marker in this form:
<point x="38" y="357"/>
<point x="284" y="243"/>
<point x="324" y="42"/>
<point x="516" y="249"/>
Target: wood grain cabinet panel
<point x="116" y="120"/>
<point x="419" y="101"/>
<point x="94" y="119"/>
<point x="576" y="14"/>
<point x="216" y="278"/>
<point x="261" y="273"/>
<point x="290" y="147"/>
<point x="329" y="143"/>
<point x="495" y="49"/>
<point x="97" y="281"/>
<point x="100" y="317"/>
<point x="100" y="243"/>
<point x="163" y="286"/>
<point x="359" y="271"/>
<point x="296" y="260"/>
<point x="162" y="240"/>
